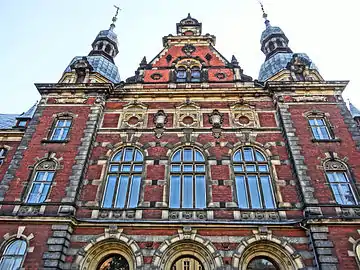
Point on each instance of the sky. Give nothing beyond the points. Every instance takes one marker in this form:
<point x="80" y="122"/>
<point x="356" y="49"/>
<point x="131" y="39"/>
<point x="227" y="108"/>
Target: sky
<point x="40" y="37"/>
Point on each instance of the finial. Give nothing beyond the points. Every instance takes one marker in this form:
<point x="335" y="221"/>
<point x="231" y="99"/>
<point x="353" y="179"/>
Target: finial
<point x="265" y="16"/>
<point x="114" y="19"/>
<point x="189" y="16"/>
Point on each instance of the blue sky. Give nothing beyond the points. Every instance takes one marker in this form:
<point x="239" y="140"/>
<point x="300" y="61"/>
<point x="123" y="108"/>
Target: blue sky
<point x="40" y="37"/>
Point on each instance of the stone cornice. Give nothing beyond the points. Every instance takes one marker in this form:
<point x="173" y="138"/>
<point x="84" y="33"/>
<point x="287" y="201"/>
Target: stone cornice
<point x="87" y="88"/>
<point x="308" y="85"/>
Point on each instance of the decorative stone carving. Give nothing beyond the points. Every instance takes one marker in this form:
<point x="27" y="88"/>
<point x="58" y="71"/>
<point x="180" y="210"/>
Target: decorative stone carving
<point x="134" y="115"/>
<point x="156" y="76"/>
<point x="310" y="99"/>
<point x="188" y="115"/>
<point x="47" y="165"/>
<point x="71" y="100"/>
<point x="160" y="119"/>
<point x="188" y="49"/>
<point x="243" y="115"/>
<point x="28" y="210"/>
<point x="299" y="68"/>
<point x="334" y="165"/>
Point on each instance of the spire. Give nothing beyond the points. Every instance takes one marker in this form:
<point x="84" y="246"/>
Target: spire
<point x="265" y="16"/>
<point x="114" y="19"/>
<point x="234" y="61"/>
<point x="189" y="27"/>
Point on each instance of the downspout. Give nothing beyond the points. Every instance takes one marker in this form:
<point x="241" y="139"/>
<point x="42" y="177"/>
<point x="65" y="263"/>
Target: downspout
<point x="312" y="244"/>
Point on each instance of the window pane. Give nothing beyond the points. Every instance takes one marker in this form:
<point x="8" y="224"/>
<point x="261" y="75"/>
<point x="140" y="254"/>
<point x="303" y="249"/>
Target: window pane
<point x="312" y="122"/>
<point x="176" y="156"/>
<point x="128" y="154"/>
<point x="114" y="168"/>
<point x="117" y="157"/>
<point x="188" y="168"/>
<point x="199" y="157"/>
<point x="248" y="154"/>
<point x="7" y="263"/>
<point x="340" y="177"/>
<point x="125" y="168"/>
<point x="259" y="156"/>
<point x="135" y="190"/>
<point x="241" y="192"/>
<point x="250" y="168"/>
<point x="17" y="263"/>
<point x="348" y="197"/>
<point x="254" y="192"/>
<point x="267" y="192"/>
<point x="40" y="176"/>
<point x="331" y="177"/>
<point x="67" y="123"/>
<point x="200" y="192"/>
<point x="138" y="168"/>
<point x="175" y="191"/>
<point x="263" y="168"/>
<point x="122" y="191"/>
<point x="200" y="168"/>
<point x="238" y="168"/>
<point x="188" y="155"/>
<point x="324" y="133"/>
<point x="44" y="193"/>
<point x="109" y="192"/>
<point x="56" y="134"/>
<point x="187" y="191"/>
<point x="175" y="168"/>
<point x="237" y="156"/>
<point x="49" y="176"/>
<point x="315" y="133"/>
<point x="337" y="193"/>
<point x="35" y="193"/>
<point x="64" y="134"/>
<point x="138" y="156"/>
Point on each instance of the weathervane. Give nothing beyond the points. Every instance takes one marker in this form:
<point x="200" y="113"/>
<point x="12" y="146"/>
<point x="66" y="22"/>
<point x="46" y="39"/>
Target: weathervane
<point x="264" y="13"/>
<point x="114" y="19"/>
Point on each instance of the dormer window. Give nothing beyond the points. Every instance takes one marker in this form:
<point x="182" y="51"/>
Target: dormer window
<point x="195" y="74"/>
<point x="188" y="74"/>
<point x="181" y="75"/>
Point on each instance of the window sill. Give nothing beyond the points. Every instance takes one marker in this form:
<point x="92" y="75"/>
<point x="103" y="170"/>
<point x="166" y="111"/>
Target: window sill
<point x="326" y="140"/>
<point x="54" y="141"/>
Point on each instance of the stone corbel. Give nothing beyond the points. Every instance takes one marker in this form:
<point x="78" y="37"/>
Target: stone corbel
<point x="216" y="120"/>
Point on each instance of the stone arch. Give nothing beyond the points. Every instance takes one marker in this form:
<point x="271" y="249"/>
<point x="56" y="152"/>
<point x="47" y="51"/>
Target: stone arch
<point x="113" y="241"/>
<point x="263" y="244"/>
<point x="112" y="149"/>
<point x="187" y="243"/>
<point x="174" y="147"/>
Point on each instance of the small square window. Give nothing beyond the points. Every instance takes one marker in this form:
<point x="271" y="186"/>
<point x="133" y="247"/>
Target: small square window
<point x="61" y="130"/>
<point x="320" y="129"/>
<point x="22" y="123"/>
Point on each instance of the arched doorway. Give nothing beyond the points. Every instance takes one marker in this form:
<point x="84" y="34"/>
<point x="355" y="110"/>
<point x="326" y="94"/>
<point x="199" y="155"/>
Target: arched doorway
<point x="114" y="262"/>
<point x="262" y="263"/>
<point x="187" y="263"/>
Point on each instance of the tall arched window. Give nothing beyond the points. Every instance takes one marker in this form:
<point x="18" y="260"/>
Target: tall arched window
<point x="124" y="179"/>
<point x="41" y="182"/>
<point x="187" y="179"/>
<point x="13" y="255"/>
<point x="187" y="263"/>
<point x="252" y="179"/>
<point x="341" y="184"/>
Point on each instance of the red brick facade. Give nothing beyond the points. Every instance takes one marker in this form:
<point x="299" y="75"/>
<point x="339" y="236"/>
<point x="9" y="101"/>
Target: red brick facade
<point x="306" y="229"/>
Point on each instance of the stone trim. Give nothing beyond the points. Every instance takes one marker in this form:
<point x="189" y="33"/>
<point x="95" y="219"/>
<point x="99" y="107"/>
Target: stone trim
<point x="82" y="158"/>
<point x="187" y="242"/>
<point x="297" y="159"/>
<point x="263" y="243"/>
<point x="323" y="247"/>
<point x="58" y="245"/>
<point x="351" y="124"/>
<point x="19" y="153"/>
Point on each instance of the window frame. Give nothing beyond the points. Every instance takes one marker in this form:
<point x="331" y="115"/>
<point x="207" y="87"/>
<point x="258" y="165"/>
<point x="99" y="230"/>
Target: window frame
<point x="11" y="256"/>
<point x="55" y="127"/>
<point x="344" y="170"/>
<point x="319" y="127"/>
<point x="181" y="173"/>
<point x="188" y="72"/>
<point x="119" y="173"/>
<point x="239" y="169"/>
<point x="3" y="152"/>
<point x="42" y="183"/>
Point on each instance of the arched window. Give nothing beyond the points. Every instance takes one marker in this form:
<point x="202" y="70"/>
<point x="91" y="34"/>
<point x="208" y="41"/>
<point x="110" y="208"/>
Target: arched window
<point x="13" y="255"/>
<point x="271" y="46"/>
<point x="41" y="182"/>
<point x="341" y="184"/>
<point x="61" y="128"/>
<point x="187" y="263"/>
<point x="252" y="179"/>
<point x="262" y="263"/>
<point x="195" y="74"/>
<point x="181" y="74"/>
<point x="3" y="152"/>
<point x="279" y="43"/>
<point x="100" y="46"/>
<point x="187" y="179"/>
<point x="124" y="178"/>
<point x="114" y="261"/>
<point x="108" y="48"/>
